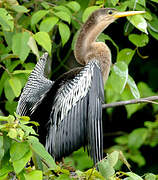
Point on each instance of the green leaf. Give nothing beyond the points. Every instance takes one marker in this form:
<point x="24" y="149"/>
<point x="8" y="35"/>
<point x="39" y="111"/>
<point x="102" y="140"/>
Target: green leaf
<point x="119" y="76"/>
<point x="63" y="16"/>
<point x="133" y="87"/>
<point x="63" y="8"/>
<point x="137" y="138"/>
<point x="137" y="158"/>
<point x="113" y="158"/>
<point x="133" y="176"/>
<point x="88" y="11"/>
<point x="39" y="149"/>
<point x="139" y="40"/>
<point x="64" y="32"/>
<point x="1" y="148"/>
<point x="33" y="46"/>
<point x="20" y="9"/>
<point x="155" y="1"/>
<point x="34" y="175"/>
<point x="37" y="16"/>
<point x="145" y="90"/>
<point x="44" y="40"/>
<point x="150" y="176"/>
<point x="103" y="37"/>
<point x="15" y="85"/>
<point x="22" y="71"/>
<point x="20" y="46"/>
<point x="127" y="95"/>
<point x="114" y="2"/>
<point x="48" y="23"/>
<point x="18" y="150"/>
<point x="154" y="34"/>
<point x="106" y="169"/>
<point x="139" y="22"/>
<point x="73" y="5"/>
<point x="9" y="94"/>
<point x="6" y="20"/>
<point x="21" y="163"/>
<point x="12" y="133"/>
<point x="125" y="55"/>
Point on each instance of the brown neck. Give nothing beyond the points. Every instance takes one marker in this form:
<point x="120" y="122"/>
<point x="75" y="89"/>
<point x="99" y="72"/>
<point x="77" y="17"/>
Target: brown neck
<point x="87" y="48"/>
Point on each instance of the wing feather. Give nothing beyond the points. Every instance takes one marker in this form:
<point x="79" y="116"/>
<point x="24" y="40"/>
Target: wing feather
<point x="35" y="89"/>
<point x="80" y="121"/>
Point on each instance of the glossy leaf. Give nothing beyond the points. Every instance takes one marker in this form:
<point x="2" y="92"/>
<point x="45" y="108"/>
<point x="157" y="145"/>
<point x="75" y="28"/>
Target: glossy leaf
<point x="63" y="16"/>
<point x="73" y="5"/>
<point x="6" y="20"/>
<point x="134" y="176"/>
<point x="88" y="11"/>
<point x="139" y="22"/>
<point x="44" y="40"/>
<point x="48" y="23"/>
<point x="18" y="150"/>
<point x="139" y="40"/>
<point x="33" y="46"/>
<point x="39" y="149"/>
<point x="20" y="9"/>
<point x="119" y="76"/>
<point x="34" y="175"/>
<point x="64" y="32"/>
<point x="15" y="85"/>
<point x="133" y="87"/>
<point x="125" y="55"/>
<point x="37" y="16"/>
<point x="20" y="46"/>
<point x="21" y="163"/>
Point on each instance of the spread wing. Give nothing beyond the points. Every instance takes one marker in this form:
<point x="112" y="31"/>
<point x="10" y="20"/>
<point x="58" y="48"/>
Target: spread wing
<point x="35" y="89"/>
<point x="76" y="115"/>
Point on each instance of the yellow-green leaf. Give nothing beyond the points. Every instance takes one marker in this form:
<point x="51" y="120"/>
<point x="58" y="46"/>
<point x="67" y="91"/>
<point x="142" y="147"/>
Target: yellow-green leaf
<point x="64" y="32"/>
<point x="37" y="16"/>
<point x="48" y="24"/>
<point x="15" y="85"/>
<point x="139" y="22"/>
<point x="44" y="40"/>
<point x="20" y="46"/>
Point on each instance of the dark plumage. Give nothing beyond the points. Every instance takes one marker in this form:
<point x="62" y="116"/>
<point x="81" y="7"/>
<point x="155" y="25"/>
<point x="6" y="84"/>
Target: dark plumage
<point x="69" y="110"/>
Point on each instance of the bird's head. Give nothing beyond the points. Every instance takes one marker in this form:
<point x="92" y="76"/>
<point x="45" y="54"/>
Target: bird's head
<point x="109" y="15"/>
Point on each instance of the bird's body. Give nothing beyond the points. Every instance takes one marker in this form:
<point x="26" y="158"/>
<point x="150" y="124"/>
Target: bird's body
<point x="69" y="110"/>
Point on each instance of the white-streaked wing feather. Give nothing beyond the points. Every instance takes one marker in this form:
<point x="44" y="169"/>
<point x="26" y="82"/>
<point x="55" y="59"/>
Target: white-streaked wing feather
<point x="77" y="114"/>
<point x="35" y="89"/>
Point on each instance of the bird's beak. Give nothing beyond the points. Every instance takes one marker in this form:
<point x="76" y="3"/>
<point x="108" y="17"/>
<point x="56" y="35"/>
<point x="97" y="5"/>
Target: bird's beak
<point x="127" y="13"/>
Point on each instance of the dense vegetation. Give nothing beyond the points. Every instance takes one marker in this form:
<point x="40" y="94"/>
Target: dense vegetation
<point x="30" y="27"/>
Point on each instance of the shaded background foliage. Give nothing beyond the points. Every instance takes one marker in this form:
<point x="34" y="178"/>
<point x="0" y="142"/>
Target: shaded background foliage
<point x="29" y="28"/>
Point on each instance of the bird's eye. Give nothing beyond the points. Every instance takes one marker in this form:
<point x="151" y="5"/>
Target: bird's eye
<point x="110" y="12"/>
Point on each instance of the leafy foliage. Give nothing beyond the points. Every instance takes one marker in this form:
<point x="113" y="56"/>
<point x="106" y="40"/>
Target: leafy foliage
<point x="30" y="27"/>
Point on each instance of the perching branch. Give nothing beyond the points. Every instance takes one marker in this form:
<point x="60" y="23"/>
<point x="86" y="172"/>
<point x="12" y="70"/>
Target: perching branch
<point x="150" y="99"/>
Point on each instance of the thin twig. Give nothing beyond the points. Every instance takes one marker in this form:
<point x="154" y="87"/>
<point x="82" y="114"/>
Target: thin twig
<point x="150" y="99"/>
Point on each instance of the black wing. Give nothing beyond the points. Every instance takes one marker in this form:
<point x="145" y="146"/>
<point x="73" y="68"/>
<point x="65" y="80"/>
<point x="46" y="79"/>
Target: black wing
<point x="35" y="89"/>
<point x="76" y="116"/>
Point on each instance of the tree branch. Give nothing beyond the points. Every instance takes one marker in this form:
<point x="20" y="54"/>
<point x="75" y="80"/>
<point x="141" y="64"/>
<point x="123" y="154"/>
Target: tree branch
<point x="150" y="99"/>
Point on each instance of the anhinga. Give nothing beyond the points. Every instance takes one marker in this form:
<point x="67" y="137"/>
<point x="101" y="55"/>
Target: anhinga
<point x="71" y="107"/>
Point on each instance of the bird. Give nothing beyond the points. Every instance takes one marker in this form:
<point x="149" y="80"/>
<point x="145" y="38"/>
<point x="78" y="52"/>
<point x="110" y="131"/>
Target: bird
<point x="69" y="109"/>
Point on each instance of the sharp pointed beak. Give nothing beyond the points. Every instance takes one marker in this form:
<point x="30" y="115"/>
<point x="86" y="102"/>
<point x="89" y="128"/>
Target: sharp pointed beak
<point x="128" y="13"/>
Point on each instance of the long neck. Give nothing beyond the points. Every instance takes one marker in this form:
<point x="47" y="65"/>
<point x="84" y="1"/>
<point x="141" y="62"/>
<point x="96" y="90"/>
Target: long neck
<point x="87" y="48"/>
